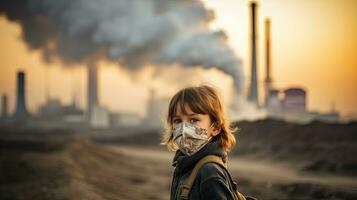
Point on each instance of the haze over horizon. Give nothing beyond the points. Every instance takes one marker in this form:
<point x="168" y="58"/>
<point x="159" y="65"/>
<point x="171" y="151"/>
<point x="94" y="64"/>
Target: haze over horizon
<point x="313" y="46"/>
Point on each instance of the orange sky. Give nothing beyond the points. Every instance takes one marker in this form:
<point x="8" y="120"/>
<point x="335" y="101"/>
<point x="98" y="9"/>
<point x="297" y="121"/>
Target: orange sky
<point x="313" y="46"/>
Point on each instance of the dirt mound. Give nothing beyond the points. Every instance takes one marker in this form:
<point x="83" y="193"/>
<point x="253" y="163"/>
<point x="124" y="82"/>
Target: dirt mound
<point x="316" y="146"/>
<point x="55" y="166"/>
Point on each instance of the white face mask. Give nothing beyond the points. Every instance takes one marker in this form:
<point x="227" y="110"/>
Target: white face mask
<point x="190" y="138"/>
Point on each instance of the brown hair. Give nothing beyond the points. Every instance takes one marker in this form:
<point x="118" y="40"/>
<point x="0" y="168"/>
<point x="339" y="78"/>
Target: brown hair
<point x="202" y="100"/>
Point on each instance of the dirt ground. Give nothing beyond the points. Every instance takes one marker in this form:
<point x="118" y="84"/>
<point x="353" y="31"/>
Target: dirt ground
<point x="63" y="165"/>
<point x="263" y="179"/>
<point x="75" y="168"/>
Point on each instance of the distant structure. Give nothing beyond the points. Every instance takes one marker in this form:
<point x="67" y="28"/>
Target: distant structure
<point x="52" y="109"/>
<point x="253" y="89"/>
<point x="268" y="80"/>
<point x="92" y="89"/>
<point x="125" y="119"/>
<point x="328" y="117"/>
<point x="294" y="103"/>
<point x="289" y="104"/>
<point x="21" y="111"/>
<point x="272" y="100"/>
<point x="273" y="104"/>
<point x="100" y="117"/>
<point x="156" y="110"/>
<point x="332" y="116"/>
<point x="4" y="111"/>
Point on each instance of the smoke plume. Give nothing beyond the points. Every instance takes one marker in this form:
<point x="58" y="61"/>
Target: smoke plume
<point x="131" y="32"/>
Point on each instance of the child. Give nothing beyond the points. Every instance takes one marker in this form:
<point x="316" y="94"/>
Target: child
<point x="196" y="126"/>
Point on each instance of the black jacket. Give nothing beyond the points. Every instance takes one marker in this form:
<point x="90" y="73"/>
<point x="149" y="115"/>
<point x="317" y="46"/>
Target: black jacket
<point x="212" y="181"/>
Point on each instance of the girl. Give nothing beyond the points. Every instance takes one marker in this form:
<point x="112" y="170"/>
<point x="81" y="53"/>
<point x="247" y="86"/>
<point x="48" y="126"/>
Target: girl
<point x="196" y="127"/>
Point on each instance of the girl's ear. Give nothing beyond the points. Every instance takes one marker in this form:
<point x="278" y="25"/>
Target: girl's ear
<point x="216" y="130"/>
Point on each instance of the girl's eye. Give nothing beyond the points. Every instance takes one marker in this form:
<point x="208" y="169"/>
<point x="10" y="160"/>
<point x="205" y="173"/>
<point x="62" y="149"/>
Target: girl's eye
<point x="193" y="120"/>
<point x="176" y="121"/>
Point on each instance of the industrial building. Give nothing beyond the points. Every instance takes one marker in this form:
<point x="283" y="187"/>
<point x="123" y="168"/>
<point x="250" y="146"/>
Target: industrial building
<point x="288" y="104"/>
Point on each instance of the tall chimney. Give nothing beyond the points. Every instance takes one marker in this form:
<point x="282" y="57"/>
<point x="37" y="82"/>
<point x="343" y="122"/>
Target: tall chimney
<point x="4" y="111"/>
<point x="92" y="88"/>
<point x="21" y="111"/>
<point x="253" y="89"/>
<point x="268" y="80"/>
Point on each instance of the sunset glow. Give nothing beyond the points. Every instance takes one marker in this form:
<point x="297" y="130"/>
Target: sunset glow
<point x="313" y="46"/>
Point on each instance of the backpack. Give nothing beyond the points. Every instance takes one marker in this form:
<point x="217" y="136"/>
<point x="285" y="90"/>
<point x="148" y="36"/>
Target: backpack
<point x="186" y="187"/>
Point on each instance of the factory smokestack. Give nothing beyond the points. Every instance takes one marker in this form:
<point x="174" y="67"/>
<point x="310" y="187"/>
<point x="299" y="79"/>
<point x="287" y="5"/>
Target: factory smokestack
<point x="268" y="80"/>
<point x="92" y="89"/>
<point x="21" y="111"/>
<point x="253" y="89"/>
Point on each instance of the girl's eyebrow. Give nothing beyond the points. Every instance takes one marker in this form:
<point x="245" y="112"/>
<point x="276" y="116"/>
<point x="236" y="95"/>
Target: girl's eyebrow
<point x="189" y="114"/>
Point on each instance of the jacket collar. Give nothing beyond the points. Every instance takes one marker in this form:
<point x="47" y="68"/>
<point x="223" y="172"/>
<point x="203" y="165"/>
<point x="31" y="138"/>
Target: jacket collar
<point x="184" y="163"/>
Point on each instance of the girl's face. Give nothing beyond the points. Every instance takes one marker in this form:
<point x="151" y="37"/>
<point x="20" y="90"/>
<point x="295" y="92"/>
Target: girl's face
<point x="201" y="120"/>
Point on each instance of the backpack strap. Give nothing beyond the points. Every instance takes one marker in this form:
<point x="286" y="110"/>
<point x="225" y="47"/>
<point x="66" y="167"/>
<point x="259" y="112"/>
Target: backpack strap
<point x="236" y="195"/>
<point x="186" y="187"/>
